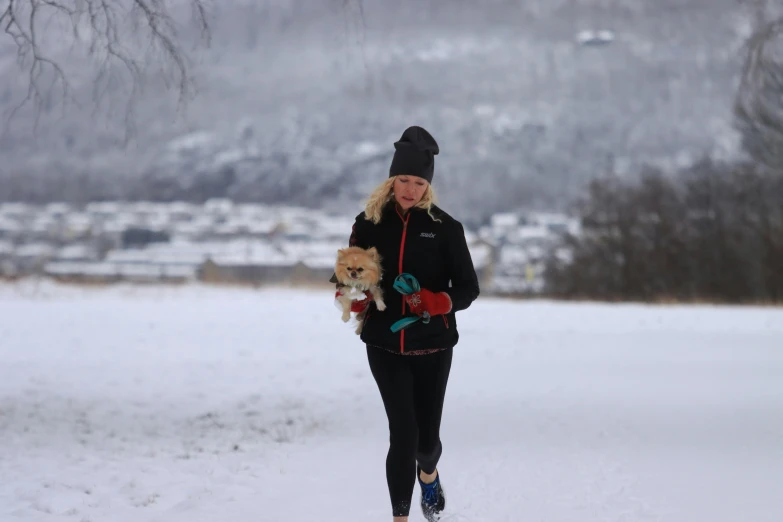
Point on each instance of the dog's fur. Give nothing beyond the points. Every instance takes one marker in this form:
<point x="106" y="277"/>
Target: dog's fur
<point x="360" y="270"/>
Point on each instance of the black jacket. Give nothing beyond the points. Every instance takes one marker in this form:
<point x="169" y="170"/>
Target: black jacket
<point x="436" y="253"/>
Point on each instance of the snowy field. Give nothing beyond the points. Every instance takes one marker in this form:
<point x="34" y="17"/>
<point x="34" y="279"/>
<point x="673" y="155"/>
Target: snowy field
<point x="203" y="404"/>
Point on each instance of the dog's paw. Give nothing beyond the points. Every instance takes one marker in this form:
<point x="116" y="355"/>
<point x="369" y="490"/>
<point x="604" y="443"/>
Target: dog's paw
<point x="346" y="318"/>
<point x="380" y="305"/>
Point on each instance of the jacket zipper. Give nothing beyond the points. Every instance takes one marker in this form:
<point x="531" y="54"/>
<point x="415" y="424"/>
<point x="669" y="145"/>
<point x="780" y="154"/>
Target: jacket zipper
<point x="402" y="250"/>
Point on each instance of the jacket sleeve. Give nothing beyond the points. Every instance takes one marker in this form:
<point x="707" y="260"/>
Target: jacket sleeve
<point x="358" y="232"/>
<point x="353" y="240"/>
<point x="464" y="281"/>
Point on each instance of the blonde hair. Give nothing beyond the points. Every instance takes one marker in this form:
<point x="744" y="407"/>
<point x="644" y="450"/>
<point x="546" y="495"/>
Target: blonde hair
<point x="384" y="193"/>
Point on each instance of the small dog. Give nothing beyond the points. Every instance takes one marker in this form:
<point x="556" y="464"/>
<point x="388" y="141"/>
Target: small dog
<point x="358" y="270"/>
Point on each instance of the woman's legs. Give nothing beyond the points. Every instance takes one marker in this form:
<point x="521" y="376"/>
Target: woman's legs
<point x="430" y="377"/>
<point x="395" y="382"/>
<point x="412" y="388"/>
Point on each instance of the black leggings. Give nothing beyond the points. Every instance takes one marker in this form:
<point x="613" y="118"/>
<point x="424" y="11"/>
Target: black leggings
<point x="412" y="389"/>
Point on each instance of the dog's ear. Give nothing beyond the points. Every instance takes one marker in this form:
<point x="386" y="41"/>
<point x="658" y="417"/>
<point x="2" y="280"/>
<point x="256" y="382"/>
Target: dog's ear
<point x="374" y="254"/>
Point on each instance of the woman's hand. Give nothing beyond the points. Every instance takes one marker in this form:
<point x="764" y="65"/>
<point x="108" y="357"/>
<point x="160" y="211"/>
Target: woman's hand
<point x="426" y="301"/>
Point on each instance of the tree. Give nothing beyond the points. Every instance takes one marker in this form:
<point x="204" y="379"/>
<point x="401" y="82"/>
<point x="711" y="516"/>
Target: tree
<point x="127" y="44"/>
<point x="658" y="236"/>
<point x="758" y="106"/>
<point x="720" y="247"/>
<point x="762" y="229"/>
<point x="124" y="40"/>
<point x="603" y="259"/>
<point x="713" y="231"/>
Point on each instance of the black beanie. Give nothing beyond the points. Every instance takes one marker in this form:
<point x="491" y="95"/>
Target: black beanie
<point x="414" y="154"/>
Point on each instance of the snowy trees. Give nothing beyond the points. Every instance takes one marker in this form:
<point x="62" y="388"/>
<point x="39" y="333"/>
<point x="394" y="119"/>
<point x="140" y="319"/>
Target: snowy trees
<point x="711" y="232"/>
<point x="759" y="106"/>
<point x="514" y="97"/>
<point x="121" y="39"/>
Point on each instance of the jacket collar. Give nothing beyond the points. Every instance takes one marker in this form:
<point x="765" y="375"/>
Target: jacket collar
<point x="391" y="210"/>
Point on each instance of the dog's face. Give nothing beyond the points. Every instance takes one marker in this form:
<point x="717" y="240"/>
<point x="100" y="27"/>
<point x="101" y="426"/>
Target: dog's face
<point x="356" y="266"/>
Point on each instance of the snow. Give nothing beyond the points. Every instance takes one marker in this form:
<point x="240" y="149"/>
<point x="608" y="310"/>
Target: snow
<point x="504" y="220"/>
<point x="7" y="226"/>
<point x="15" y="209"/>
<point x="367" y="149"/>
<point x="103" y="207"/>
<point x="102" y="269"/>
<point x="442" y="50"/>
<point x="481" y="255"/>
<point x="230" y="252"/>
<point x="193" y="403"/>
<point x="588" y="37"/>
<point x="529" y="232"/>
<point x="35" y="250"/>
<point x="76" y="252"/>
<point x="59" y="209"/>
<point x="192" y="141"/>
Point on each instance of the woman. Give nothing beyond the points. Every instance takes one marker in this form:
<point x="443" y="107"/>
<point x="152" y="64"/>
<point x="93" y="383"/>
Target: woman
<point x="411" y="366"/>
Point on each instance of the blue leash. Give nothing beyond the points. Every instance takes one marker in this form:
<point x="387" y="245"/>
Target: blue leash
<point x="406" y="284"/>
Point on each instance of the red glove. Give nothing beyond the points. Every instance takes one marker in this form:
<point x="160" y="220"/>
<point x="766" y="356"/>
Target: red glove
<point x="426" y="301"/>
<point x="356" y="305"/>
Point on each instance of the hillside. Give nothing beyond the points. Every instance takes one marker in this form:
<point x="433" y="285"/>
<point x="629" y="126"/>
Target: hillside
<point x="301" y="100"/>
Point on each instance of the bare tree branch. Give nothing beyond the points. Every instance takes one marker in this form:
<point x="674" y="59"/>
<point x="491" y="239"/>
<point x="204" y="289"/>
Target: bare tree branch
<point x="758" y="103"/>
<point x="359" y="19"/>
<point x="134" y="36"/>
<point x="22" y="29"/>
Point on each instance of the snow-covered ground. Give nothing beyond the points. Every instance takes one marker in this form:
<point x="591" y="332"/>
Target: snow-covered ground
<point x="200" y="404"/>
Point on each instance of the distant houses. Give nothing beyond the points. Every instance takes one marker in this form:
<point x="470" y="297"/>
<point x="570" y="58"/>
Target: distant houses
<point x="522" y="244"/>
<point x="221" y="242"/>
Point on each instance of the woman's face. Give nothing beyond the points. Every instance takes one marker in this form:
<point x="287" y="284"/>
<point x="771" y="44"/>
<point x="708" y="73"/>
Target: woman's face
<point x="408" y="190"/>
